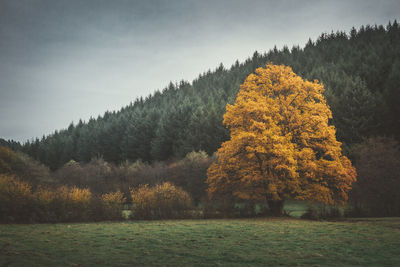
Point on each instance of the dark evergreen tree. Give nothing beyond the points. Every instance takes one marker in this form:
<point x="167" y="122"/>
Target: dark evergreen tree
<point x="359" y="70"/>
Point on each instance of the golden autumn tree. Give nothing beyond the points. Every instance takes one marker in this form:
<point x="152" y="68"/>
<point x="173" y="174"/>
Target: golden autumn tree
<point x="281" y="144"/>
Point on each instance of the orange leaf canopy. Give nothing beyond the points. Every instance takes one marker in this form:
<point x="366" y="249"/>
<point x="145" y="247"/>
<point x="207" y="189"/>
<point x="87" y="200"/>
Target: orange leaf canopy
<point x="281" y="144"/>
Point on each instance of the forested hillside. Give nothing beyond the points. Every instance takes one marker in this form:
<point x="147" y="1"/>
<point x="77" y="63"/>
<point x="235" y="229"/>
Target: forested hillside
<point x="360" y="71"/>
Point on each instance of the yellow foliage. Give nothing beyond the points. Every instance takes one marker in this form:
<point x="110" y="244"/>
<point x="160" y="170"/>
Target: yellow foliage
<point x="78" y="195"/>
<point x="113" y="199"/>
<point x="13" y="190"/>
<point x="281" y="143"/>
<point x="15" y="199"/>
<point x="73" y="195"/>
<point x="45" y="195"/>
<point x="161" y="201"/>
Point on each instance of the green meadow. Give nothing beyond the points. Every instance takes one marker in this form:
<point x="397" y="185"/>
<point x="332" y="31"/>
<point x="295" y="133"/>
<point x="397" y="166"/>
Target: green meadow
<point x="223" y="242"/>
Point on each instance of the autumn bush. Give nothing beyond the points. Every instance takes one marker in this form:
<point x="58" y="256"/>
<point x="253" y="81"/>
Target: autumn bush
<point x="102" y="177"/>
<point x="16" y="200"/>
<point x="113" y="204"/>
<point x="77" y="203"/>
<point x="45" y="207"/>
<point x="19" y="203"/>
<point x="62" y="204"/>
<point x="162" y="201"/>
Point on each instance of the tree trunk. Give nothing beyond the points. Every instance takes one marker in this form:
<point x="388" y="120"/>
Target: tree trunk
<point x="276" y="207"/>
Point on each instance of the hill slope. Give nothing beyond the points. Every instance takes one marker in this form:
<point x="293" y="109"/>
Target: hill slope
<point x="360" y="71"/>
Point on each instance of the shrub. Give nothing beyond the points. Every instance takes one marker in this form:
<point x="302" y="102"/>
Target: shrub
<point x="96" y="175"/>
<point x="23" y="166"/>
<point x="63" y="204"/>
<point x="77" y="203"/>
<point x="113" y="205"/>
<point x="376" y="192"/>
<point x="18" y="203"/>
<point x="190" y="174"/>
<point x="163" y="201"/>
<point x="44" y="205"/>
<point x="15" y="199"/>
<point x="138" y="173"/>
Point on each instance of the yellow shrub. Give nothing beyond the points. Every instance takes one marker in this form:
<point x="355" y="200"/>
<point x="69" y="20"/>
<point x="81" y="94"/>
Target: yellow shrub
<point x="72" y="204"/>
<point x="162" y="201"/>
<point x="15" y="199"/>
<point x="45" y="196"/>
<point x="113" y="204"/>
<point x="19" y="204"/>
<point x="12" y="189"/>
<point x="78" y="195"/>
<point x="113" y="199"/>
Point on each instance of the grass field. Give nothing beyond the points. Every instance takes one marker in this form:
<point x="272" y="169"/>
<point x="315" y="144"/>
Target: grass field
<point x="238" y="242"/>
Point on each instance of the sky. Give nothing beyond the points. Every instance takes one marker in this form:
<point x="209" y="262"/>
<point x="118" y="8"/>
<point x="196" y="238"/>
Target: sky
<point x="65" y="60"/>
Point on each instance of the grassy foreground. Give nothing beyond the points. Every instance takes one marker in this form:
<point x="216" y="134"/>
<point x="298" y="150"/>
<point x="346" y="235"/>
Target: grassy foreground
<point x="240" y="242"/>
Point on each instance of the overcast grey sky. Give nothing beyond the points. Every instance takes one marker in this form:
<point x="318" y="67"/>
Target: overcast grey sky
<point x="62" y="60"/>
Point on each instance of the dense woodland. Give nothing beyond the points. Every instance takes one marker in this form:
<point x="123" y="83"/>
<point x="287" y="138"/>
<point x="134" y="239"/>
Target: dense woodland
<point x="152" y="139"/>
<point x="359" y="69"/>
